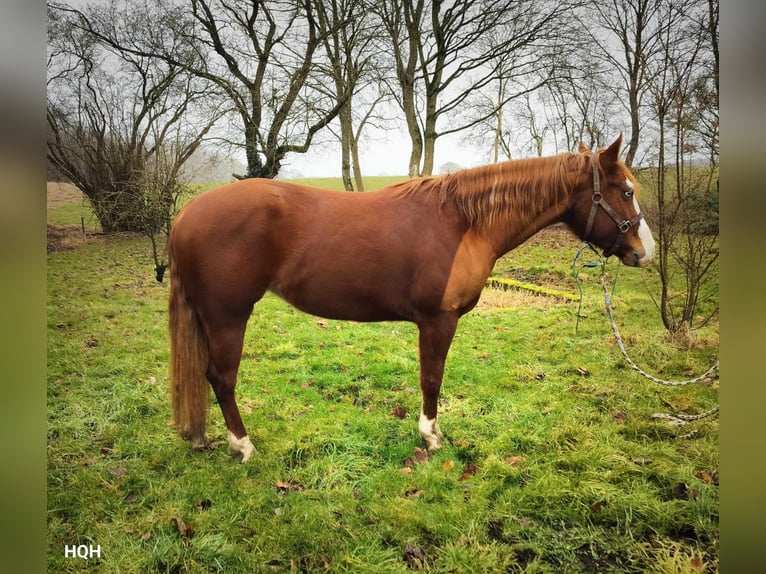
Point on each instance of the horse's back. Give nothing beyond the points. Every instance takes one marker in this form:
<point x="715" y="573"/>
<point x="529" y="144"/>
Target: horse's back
<point x="363" y="256"/>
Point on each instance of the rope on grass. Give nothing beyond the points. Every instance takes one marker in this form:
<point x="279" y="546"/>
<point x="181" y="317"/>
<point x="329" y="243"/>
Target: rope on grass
<point x="675" y="419"/>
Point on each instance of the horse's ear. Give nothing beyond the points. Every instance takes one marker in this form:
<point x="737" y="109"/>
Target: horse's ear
<point x="581" y="148"/>
<point x="612" y="153"/>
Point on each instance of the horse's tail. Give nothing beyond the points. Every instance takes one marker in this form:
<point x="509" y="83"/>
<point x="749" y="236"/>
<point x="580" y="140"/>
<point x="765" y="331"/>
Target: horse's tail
<point x="188" y="364"/>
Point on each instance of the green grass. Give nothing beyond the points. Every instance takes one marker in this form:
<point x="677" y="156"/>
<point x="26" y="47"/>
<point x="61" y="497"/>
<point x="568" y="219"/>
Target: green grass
<point x="553" y="462"/>
<point x="75" y="213"/>
<point x="370" y="183"/>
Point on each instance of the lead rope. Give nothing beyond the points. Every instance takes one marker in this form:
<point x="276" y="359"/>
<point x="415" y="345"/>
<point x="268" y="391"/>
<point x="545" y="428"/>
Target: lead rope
<point x="675" y="418"/>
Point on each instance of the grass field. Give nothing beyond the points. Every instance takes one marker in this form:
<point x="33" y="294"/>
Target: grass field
<point x="553" y="462"/>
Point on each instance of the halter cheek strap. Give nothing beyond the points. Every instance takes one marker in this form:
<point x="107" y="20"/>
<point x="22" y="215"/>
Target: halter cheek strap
<point x="623" y="225"/>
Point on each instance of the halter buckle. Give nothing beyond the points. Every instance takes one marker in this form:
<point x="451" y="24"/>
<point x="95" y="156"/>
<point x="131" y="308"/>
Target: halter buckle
<point x="625" y="226"/>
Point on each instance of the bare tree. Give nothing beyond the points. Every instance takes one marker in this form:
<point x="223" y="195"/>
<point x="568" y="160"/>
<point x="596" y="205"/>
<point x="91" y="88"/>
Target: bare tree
<point x="682" y="80"/>
<point x="258" y="54"/>
<point x="580" y="109"/>
<point x="445" y="52"/>
<point x="626" y="37"/>
<point x="351" y="53"/>
<point x="120" y="126"/>
<point x="403" y="21"/>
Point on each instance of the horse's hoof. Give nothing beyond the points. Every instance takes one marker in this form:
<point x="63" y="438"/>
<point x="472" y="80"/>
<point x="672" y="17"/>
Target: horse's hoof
<point x="241" y="446"/>
<point x="430" y="433"/>
<point x="201" y="444"/>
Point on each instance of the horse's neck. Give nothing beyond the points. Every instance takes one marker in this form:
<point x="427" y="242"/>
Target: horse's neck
<point x="509" y="236"/>
<point x="508" y="208"/>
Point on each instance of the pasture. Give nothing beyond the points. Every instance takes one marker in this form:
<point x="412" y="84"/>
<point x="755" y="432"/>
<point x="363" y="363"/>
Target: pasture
<point x="553" y="462"/>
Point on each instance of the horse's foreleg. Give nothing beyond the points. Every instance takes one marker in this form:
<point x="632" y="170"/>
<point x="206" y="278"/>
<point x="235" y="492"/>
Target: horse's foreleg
<point x="225" y="355"/>
<point x="435" y="340"/>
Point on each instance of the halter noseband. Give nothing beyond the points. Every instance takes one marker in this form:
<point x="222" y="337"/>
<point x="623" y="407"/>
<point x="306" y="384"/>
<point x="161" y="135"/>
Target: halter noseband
<point x="623" y="225"/>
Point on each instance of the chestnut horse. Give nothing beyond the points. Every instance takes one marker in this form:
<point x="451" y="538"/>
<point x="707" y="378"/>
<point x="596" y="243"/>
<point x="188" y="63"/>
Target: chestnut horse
<point x="418" y="251"/>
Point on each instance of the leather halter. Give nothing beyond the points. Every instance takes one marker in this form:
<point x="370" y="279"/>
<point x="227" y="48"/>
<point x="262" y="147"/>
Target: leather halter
<point x="623" y="225"/>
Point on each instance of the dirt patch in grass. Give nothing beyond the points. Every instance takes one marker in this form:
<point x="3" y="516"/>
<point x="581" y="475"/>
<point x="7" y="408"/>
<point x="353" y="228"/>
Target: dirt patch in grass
<point x="502" y="299"/>
<point x="59" y="193"/>
<point x="63" y="237"/>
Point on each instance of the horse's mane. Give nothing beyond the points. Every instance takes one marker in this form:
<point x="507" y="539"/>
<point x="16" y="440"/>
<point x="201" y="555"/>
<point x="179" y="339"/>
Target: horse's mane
<point x="517" y="190"/>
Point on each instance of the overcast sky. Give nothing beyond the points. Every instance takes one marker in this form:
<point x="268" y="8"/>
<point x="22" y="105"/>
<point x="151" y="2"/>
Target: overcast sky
<point x="387" y="154"/>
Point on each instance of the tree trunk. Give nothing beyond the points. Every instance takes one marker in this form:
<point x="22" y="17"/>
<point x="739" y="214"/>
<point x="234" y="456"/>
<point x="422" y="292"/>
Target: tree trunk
<point x="416" y="139"/>
<point x="499" y="125"/>
<point x="357" y="166"/>
<point x="635" y="127"/>
<point x="346" y="143"/>
<point x="254" y="162"/>
<point x="663" y="241"/>
<point x="429" y="143"/>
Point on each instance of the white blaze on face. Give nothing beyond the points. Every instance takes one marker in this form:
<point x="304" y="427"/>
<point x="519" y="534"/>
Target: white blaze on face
<point x="644" y="234"/>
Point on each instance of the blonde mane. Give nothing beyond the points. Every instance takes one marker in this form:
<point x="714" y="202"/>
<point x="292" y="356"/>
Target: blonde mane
<point x="517" y="190"/>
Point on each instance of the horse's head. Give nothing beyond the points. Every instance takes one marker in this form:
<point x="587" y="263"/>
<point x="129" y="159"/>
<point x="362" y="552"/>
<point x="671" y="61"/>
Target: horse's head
<point x="604" y="210"/>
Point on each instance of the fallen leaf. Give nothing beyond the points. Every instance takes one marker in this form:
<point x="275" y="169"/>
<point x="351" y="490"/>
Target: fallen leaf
<point x="118" y="471"/>
<point x="642" y="461"/>
<point x="289" y="486"/>
<point x="708" y="477"/>
<point x="146" y="536"/>
<point x="414" y="557"/>
<point x="152" y="380"/>
<point x="468" y="471"/>
<point x="596" y="506"/>
<point x="618" y="416"/>
<point x="540" y="376"/>
<point x="398" y="412"/>
<point x="583" y="371"/>
<point x="696" y="564"/>
<point x="406" y="470"/>
<point x="448" y="465"/>
<point x="413" y="493"/>
<point x="185" y="530"/>
<point x="514" y="461"/>
<point x="419" y="456"/>
<point x="322" y="324"/>
<point x="131" y="498"/>
<point x="91" y="342"/>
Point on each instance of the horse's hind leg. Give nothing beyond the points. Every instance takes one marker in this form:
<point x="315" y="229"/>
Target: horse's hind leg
<point x="225" y="343"/>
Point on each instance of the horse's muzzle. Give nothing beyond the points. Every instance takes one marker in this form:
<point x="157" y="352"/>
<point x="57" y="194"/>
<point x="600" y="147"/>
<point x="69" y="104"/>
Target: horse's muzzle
<point x="635" y="259"/>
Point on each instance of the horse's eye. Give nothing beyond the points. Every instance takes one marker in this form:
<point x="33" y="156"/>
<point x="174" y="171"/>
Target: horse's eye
<point x="628" y="193"/>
